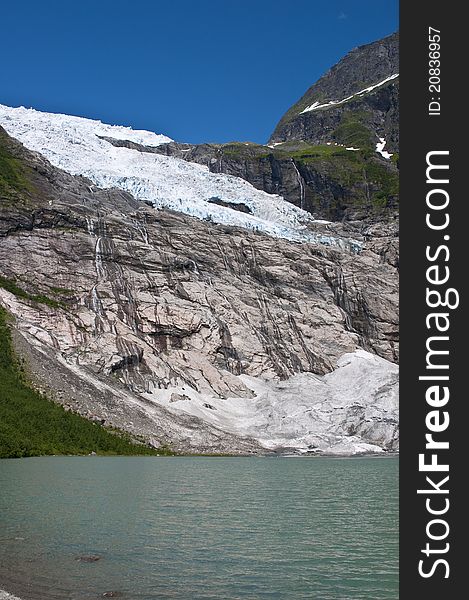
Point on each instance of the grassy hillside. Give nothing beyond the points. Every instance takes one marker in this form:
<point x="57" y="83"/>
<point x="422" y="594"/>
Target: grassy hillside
<point x="31" y="425"/>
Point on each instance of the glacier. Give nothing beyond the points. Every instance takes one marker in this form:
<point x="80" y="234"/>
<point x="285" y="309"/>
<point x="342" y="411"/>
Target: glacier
<point x="307" y="413"/>
<point x="76" y="145"/>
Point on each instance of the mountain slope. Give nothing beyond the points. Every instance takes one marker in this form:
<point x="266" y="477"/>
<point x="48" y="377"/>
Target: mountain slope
<point x="355" y="103"/>
<point x="30" y="425"/>
<point x="198" y="336"/>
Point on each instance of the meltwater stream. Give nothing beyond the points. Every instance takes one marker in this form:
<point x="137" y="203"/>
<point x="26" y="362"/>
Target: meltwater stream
<point x="74" y="528"/>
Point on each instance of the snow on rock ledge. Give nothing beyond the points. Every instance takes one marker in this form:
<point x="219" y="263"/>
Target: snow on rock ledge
<point x="380" y="149"/>
<point x="332" y="103"/>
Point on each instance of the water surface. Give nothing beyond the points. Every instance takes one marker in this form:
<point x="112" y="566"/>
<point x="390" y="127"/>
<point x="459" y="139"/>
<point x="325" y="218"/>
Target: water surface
<point x="199" y="528"/>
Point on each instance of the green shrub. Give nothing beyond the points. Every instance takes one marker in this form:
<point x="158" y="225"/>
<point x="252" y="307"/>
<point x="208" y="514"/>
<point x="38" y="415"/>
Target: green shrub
<point x="353" y="132"/>
<point x="13" y="176"/>
<point x="12" y="287"/>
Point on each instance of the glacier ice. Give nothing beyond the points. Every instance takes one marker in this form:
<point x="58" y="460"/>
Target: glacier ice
<point x="75" y="145"/>
<point x="351" y="410"/>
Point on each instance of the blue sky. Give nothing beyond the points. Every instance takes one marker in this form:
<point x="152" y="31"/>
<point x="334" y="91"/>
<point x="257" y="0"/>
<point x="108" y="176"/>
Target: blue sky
<point x="196" y="70"/>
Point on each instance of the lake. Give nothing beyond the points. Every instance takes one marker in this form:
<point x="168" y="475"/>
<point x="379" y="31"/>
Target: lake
<point x="199" y="528"/>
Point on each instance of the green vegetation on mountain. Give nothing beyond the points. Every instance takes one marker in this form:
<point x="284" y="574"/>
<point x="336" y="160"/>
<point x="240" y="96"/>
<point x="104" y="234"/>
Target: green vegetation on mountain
<point x="14" y="175"/>
<point x="32" y="425"/>
<point x="13" y="287"/>
<point x="352" y="131"/>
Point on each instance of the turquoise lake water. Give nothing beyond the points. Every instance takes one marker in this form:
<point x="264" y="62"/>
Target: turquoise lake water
<point x="199" y="528"/>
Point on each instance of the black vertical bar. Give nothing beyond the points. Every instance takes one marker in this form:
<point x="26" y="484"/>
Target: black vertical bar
<point x="425" y="127"/>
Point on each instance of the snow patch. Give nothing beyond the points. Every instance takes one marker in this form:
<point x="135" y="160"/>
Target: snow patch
<point x="316" y="105"/>
<point x="380" y="148"/>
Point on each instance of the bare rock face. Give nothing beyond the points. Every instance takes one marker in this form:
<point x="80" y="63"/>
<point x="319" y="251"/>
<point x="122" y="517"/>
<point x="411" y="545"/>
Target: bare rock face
<point x="119" y="306"/>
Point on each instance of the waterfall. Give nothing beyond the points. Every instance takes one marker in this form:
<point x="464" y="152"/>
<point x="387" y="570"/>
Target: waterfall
<point x="302" y="185"/>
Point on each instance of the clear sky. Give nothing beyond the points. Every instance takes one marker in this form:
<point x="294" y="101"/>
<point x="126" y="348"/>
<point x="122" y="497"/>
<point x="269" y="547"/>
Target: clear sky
<point x="196" y="70"/>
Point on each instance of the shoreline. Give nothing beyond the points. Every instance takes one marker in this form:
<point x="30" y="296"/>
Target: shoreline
<point x="266" y="456"/>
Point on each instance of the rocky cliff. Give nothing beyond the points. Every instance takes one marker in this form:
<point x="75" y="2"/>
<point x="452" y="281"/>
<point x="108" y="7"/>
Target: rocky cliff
<point x="201" y="336"/>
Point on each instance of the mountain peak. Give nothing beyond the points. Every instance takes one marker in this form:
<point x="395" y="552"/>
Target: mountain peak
<point x="361" y="87"/>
